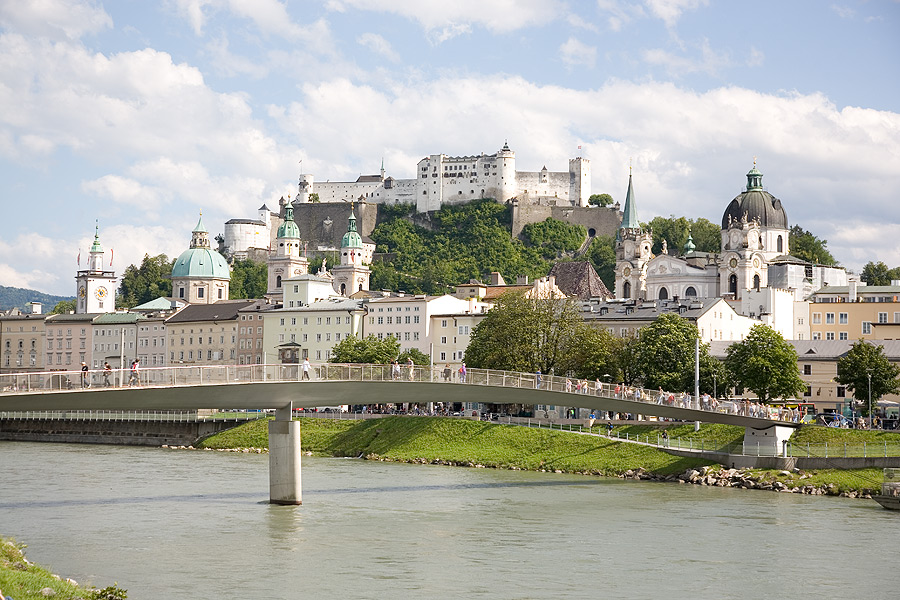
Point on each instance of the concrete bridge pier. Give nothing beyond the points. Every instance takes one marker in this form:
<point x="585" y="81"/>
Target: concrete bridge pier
<point x="770" y="440"/>
<point x="284" y="458"/>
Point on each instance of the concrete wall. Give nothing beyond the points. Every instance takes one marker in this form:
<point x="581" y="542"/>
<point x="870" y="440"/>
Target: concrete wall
<point x="126" y="433"/>
<point x="604" y="221"/>
<point x="325" y="223"/>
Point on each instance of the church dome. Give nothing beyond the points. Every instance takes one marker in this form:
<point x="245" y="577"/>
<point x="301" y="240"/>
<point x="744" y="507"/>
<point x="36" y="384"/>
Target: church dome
<point x="289" y="228"/>
<point x="200" y="261"/>
<point x="351" y="239"/>
<point x="756" y="204"/>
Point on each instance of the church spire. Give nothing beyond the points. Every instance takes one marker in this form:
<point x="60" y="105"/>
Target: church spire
<point x="95" y="262"/>
<point x="200" y="236"/>
<point x="629" y="215"/>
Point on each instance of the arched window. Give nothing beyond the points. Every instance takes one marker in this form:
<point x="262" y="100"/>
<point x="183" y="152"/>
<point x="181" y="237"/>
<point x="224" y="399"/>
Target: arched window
<point x="663" y="294"/>
<point x="278" y="281"/>
<point x="779" y="244"/>
<point x="626" y="289"/>
<point x="732" y="285"/>
<point x="690" y="291"/>
<point x="756" y="282"/>
<point x="343" y="289"/>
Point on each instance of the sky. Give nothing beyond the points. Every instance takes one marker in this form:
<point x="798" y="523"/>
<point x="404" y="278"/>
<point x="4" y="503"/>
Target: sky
<point x="140" y="115"/>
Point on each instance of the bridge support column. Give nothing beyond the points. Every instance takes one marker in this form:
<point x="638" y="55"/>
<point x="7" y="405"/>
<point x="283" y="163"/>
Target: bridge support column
<point x="766" y="442"/>
<point x="284" y="458"/>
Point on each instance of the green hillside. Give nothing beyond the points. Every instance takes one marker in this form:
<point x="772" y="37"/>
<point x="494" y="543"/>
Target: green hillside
<point x="13" y="297"/>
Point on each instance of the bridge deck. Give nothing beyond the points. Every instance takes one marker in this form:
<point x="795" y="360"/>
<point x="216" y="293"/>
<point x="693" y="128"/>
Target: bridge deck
<point x="280" y="386"/>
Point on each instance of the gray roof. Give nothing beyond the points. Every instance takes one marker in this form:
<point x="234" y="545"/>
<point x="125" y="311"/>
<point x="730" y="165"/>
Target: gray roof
<point x="331" y="304"/>
<point x="223" y="310"/>
<point x="244" y="222"/>
<point x="648" y="310"/>
<point x="579" y="279"/>
<point x="862" y="289"/>
<point x="118" y="318"/>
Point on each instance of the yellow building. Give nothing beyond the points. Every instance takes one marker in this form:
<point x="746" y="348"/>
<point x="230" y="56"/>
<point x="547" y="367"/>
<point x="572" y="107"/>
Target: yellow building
<point x="849" y="313"/>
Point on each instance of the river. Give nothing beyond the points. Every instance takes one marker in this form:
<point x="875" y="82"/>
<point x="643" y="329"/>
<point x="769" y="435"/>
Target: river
<point x="194" y="525"/>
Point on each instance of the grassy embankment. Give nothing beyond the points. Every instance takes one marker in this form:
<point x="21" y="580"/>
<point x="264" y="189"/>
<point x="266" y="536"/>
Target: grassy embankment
<point x="459" y="441"/>
<point x="23" y="580"/>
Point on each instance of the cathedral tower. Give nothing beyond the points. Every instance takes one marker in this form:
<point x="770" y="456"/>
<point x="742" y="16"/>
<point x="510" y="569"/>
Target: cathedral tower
<point x="287" y="260"/>
<point x="200" y="275"/>
<point x="632" y="251"/>
<point x="352" y="275"/>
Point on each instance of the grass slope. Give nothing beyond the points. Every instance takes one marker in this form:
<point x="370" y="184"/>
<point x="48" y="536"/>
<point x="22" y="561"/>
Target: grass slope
<point x="463" y="441"/>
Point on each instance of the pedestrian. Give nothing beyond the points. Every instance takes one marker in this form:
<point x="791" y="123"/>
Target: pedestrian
<point x="609" y="427"/>
<point x="568" y="384"/>
<point x="462" y="373"/>
<point x="305" y="368"/>
<point x="107" y="371"/>
<point x="84" y="375"/>
<point x="412" y="367"/>
<point x="537" y="379"/>
<point x="134" y="379"/>
<point x="448" y="372"/>
<point x="395" y="370"/>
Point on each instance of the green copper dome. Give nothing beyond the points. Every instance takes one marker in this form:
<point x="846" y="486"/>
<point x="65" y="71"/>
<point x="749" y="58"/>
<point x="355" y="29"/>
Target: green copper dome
<point x="200" y="261"/>
<point x="351" y="239"/>
<point x="289" y="228"/>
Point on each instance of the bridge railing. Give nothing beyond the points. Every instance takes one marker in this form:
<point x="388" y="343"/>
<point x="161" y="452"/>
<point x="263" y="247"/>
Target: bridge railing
<point x="192" y="375"/>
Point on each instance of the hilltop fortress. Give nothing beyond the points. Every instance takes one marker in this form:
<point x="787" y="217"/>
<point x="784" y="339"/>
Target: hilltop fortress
<point x="440" y="180"/>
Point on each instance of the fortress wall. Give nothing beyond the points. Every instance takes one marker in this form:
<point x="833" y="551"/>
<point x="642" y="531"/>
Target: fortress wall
<point x="604" y="221"/>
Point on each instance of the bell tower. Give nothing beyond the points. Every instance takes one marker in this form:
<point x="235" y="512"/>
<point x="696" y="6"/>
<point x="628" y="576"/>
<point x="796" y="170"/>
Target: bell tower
<point x="95" y="287"/>
<point x="632" y="251"/>
<point x="352" y="275"/>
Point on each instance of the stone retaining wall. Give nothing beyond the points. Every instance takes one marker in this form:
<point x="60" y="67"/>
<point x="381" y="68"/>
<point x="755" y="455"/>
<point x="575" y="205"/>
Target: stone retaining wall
<point x="125" y="433"/>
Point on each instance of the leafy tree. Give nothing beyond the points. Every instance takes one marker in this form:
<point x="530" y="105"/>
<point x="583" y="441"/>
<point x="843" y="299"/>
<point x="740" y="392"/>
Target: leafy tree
<point x="854" y="368"/>
<point x="419" y="357"/>
<point x="675" y="231"/>
<point x="553" y="237"/>
<point x="63" y="307"/>
<point x="527" y="334"/>
<point x="147" y="282"/>
<point x="805" y="246"/>
<point x="600" y="200"/>
<point x="369" y="350"/>
<point x="879" y="273"/>
<point x="765" y="364"/>
<point x="664" y="356"/>
<point x="249" y="280"/>
<point x="602" y="255"/>
<point x="314" y="197"/>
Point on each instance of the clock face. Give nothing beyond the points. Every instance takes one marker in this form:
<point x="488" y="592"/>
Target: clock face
<point x="101" y="293"/>
<point x="733" y="262"/>
<point x="81" y="292"/>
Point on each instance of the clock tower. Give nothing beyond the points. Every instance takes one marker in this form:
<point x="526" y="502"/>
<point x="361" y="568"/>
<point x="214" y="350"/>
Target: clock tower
<point x="95" y="288"/>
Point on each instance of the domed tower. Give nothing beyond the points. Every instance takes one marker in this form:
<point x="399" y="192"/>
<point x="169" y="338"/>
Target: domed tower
<point x="754" y="231"/>
<point x="287" y="260"/>
<point x="96" y="288"/>
<point x="352" y="275"/>
<point x="632" y="251"/>
<point x="200" y="275"/>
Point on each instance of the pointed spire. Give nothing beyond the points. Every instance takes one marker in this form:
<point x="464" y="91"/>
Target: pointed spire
<point x="689" y="244"/>
<point x="200" y="236"/>
<point x="200" y="228"/>
<point x="629" y="215"/>
<point x="96" y="247"/>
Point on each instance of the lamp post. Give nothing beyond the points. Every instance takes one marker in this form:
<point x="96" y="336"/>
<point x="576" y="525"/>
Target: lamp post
<point x="869" y="375"/>
<point x="715" y="389"/>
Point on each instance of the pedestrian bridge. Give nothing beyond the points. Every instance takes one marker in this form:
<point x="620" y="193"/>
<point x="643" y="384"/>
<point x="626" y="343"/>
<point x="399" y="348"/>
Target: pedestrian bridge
<point x="284" y="387"/>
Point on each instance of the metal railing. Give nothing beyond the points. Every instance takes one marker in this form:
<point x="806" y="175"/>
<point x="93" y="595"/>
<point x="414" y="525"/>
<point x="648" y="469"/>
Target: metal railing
<point x="129" y="415"/>
<point x="197" y="375"/>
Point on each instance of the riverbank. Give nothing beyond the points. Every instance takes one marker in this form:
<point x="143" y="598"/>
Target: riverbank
<point x="24" y="580"/>
<point x="460" y="442"/>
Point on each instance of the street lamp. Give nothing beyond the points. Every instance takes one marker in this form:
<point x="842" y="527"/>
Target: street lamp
<point x="869" y="375"/>
<point x="715" y="389"/>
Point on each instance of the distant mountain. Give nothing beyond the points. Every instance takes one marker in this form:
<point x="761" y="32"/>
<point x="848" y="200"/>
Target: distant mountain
<point x="12" y="297"/>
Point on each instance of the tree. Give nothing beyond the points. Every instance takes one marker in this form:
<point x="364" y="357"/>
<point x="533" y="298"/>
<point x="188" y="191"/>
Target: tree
<point x="600" y="200"/>
<point x="805" y="246"/>
<point x="418" y="357"/>
<point x="602" y="255"/>
<point x="147" y="282"/>
<point x="765" y="364"/>
<point x="529" y="334"/>
<point x="854" y="368"/>
<point x="249" y="280"/>
<point x="369" y="350"/>
<point x="879" y="273"/>
<point x="314" y="197"/>
<point x="675" y="231"/>
<point x="63" y="307"/>
<point x="553" y="237"/>
<point x="664" y="355"/>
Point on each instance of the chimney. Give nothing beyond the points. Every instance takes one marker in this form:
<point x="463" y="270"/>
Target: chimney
<point x="497" y="278"/>
<point x="851" y="297"/>
<point x="471" y="306"/>
<point x="522" y="280"/>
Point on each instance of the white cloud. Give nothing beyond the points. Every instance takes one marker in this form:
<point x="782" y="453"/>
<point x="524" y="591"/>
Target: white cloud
<point x="844" y="12"/>
<point x="54" y="18"/>
<point x="709" y="62"/>
<point x="378" y="45"/>
<point x="618" y="15"/>
<point x="444" y="20"/>
<point x="671" y="10"/>
<point x="757" y="57"/>
<point x="575" y="53"/>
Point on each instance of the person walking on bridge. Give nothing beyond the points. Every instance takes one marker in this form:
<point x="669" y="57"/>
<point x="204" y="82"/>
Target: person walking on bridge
<point x="537" y="380"/>
<point x="412" y="368"/>
<point x="84" y="375"/>
<point x="305" y="368"/>
<point x="107" y="371"/>
<point x="135" y="377"/>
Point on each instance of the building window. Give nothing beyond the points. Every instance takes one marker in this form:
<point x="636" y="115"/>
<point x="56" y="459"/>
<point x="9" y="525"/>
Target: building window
<point x="866" y="327"/>
<point x="816" y="335"/>
<point x="200" y="292"/>
<point x="842" y="335"/>
<point x="807" y="369"/>
<point x="808" y="391"/>
<point x="181" y="292"/>
<point x="829" y="335"/>
<point x="842" y="318"/>
<point x="841" y="392"/>
<point x="829" y="318"/>
<point x="817" y="318"/>
<point x="882" y="317"/>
